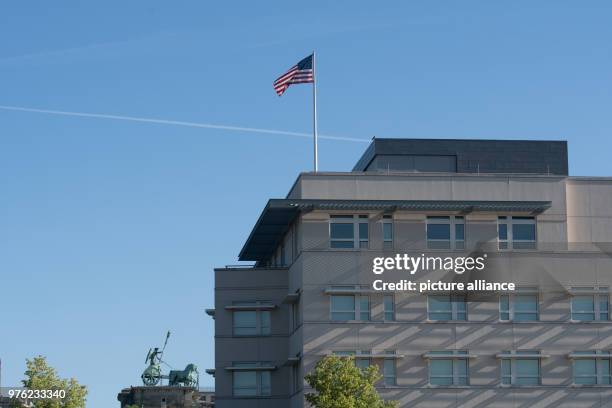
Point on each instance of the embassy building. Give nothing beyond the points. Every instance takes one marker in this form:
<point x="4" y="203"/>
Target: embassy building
<point x="548" y="343"/>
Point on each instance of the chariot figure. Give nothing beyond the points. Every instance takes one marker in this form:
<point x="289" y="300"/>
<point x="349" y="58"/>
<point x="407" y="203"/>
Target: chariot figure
<point x="152" y="375"/>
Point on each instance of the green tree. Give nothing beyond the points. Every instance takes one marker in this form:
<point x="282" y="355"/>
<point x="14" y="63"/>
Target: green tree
<point x="340" y="384"/>
<point x="40" y="376"/>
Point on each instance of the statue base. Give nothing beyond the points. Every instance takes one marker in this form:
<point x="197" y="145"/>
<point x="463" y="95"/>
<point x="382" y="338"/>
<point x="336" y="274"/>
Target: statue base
<point x="165" y="397"/>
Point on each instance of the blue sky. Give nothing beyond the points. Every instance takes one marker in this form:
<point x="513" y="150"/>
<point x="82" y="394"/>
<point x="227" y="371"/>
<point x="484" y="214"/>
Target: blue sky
<point x="110" y="229"/>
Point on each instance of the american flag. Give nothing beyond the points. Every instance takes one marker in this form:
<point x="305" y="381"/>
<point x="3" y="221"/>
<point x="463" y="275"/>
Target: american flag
<point x="300" y="73"/>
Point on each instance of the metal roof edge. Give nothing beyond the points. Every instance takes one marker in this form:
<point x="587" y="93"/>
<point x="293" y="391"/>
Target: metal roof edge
<point x="257" y="223"/>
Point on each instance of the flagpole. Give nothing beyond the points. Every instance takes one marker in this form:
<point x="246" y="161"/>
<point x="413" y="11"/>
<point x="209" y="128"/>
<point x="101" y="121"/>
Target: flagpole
<point x="314" y="114"/>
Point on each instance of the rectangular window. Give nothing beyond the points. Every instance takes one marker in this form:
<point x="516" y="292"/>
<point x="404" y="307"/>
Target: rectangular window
<point x="342" y="234"/>
<point x="250" y="383"/>
<point x="363" y="362"/>
<point x="447" y="307"/>
<point x="445" y="232"/>
<point x="387" y="226"/>
<point x="364" y="234"/>
<point x="245" y="323"/>
<point x="294" y="241"/>
<point x="516" y="232"/>
<point x="283" y="256"/>
<point x="519" y="307"/>
<point x="389" y="308"/>
<point x="520" y="370"/>
<point x="348" y="231"/>
<point x="389" y="369"/>
<point x="296" y="377"/>
<point x="251" y="322"/>
<point x="344" y="353"/>
<point x="245" y="383"/>
<point x="264" y="322"/>
<point x="590" y="305"/>
<point x="459" y="233"/>
<point x="449" y="371"/>
<point x="364" y="308"/>
<point x="590" y="369"/>
<point x="295" y="316"/>
<point x="350" y="307"/>
<point x="502" y="232"/>
<point x="342" y="307"/>
<point x="362" y="359"/>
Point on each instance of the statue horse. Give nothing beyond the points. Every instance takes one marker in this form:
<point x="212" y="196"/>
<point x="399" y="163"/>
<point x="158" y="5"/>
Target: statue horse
<point x="189" y="377"/>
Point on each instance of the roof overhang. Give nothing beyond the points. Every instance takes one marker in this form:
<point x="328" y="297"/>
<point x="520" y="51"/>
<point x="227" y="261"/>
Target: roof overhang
<point x="251" y="307"/>
<point x="279" y="214"/>
<point x="271" y="226"/>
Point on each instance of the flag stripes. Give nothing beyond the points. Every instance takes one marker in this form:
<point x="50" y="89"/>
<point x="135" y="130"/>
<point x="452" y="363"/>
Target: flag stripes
<point x="300" y="73"/>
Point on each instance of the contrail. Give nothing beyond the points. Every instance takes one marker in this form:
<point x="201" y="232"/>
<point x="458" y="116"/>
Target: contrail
<point x="179" y="123"/>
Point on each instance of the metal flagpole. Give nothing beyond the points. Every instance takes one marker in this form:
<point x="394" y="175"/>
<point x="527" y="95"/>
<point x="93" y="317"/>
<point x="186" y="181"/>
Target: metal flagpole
<point x="314" y="114"/>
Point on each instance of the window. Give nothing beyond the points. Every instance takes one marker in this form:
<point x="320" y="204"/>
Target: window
<point x="342" y="307"/>
<point x="445" y="232"/>
<point x="294" y="239"/>
<point x="450" y="368"/>
<point x="348" y="231"/>
<point x="459" y="228"/>
<point x="519" y="307"/>
<point x="364" y="308"/>
<point x="342" y="231"/>
<point x="251" y="322"/>
<point x="389" y="369"/>
<point x="250" y="383"/>
<point x="350" y="307"/>
<point x="520" y="368"/>
<point x="590" y="304"/>
<point x="363" y="362"/>
<point x="296" y="377"/>
<point x="447" y="307"/>
<point x="295" y="316"/>
<point x="389" y="308"/>
<point x="344" y="353"/>
<point x="364" y="233"/>
<point x="516" y="232"/>
<point x="362" y="357"/>
<point x="591" y="368"/>
<point x="387" y="229"/>
<point x="283" y="254"/>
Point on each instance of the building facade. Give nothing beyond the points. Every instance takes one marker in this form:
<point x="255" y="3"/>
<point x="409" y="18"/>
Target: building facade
<point x="310" y="293"/>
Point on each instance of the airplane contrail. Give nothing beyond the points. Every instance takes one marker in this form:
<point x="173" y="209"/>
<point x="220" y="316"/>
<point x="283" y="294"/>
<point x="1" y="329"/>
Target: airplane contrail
<point x="179" y="123"/>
